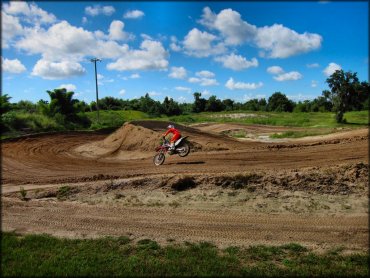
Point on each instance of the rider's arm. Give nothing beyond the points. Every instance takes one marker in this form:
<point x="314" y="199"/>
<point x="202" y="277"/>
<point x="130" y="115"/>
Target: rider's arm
<point x="165" y="134"/>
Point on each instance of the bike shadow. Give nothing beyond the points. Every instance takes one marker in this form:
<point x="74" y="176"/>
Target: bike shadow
<point x="191" y="162"/>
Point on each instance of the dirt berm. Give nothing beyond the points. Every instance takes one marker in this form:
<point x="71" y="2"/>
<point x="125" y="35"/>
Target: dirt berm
<point x="137" y="139"/>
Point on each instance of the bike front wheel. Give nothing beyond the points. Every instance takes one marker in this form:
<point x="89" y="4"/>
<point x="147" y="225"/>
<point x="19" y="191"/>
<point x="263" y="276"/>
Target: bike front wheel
<point x="158" y="159"/>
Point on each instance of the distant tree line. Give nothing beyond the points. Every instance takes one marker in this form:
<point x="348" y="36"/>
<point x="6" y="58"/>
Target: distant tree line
<point x="346" y="93"/>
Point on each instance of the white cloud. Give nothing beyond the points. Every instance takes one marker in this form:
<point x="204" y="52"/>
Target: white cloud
<point x="10" y="28"/>
<point x="59" y="70"/>
<point x="154" y="93"/>
<point x="151" y="56"/>
<point x="232" y="85"/>
<point x="236" y="62"/>
<point x="293" y="75"/>
<point x="199" y="44"/>
<point x="64" y="41"/>
<point x="276" y="41"/>
<point x="181" y="99"/>
<point x="178" y="73"/>
<point x="281" y="75"/>
<point x="313" y="83"/>
<point x="314" y="65"/>
<point x="205" y="74"/>
<point x="116" y="31"/>
<point x="275" y="70"/>
<point x="331" y="68"/>
<point x="133" y="14"/>
<point x="281" y="42"/>
<point x="135" y="76"/>
<point x="68" y="87"/>
<point x="98" y="9"/>
<point x="84" y="20"/>
<point x="229" y="23"/>
<point x="12" y="66"/>
<point x="122" y="92"/>
<point x="203" y="81"/>
<point x="205" y="93"/>
<point x="31" y="13"/>
<point x="185" y="89"/>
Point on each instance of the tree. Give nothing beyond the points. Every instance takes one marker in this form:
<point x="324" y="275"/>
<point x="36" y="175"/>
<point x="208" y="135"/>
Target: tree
<point x="171" y="107"/>
<point x="228" y="104"/>
<point x="214" y="105"/>
<point x="278" y="102"/>
<point x="199" y="103"/>
<point x="345" y="92"/>
<point x="62" y="102"/>
<point x="5" y="105"/>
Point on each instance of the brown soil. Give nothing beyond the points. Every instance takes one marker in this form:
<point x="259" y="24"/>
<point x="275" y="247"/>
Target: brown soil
<point x="313" y="190"/>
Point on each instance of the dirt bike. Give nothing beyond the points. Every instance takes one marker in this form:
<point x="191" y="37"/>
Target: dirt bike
<point x="182" y="148"/>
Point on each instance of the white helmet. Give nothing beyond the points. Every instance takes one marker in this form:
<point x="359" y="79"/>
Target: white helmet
<point x="171" y="126"/>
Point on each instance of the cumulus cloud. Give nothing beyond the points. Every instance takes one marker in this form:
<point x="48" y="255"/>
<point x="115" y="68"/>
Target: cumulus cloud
<point x="229" y="23"/>
<point x="30" y="13"/>
<point x="203" y="81"/>
<point x="276" y="41"/>
<point x="178" y="73"/>
<point x="57" y="70"/>
<point x="205" y="74"/>
<point x="116" y="32"/>
<point x="236" y="62"/>
<point x="281" y="75"/>
<point x="331" y="68"/>
<point x="232" y="85"/>
<point x="313" y="83"/>
<point x="275" y="70"/>
<point x="151" y="56"/>
<point x="10" y="28"/>
<point x="12" y="66"/>
<point x="68" y="87"/>
<point x="122" y="92"/>
<point x="185" y="89"/>
<point x="98" y="9"/>
<point x="133" y="14"/>
<point x="200" y="44"/>
<point x="293" y="75"/>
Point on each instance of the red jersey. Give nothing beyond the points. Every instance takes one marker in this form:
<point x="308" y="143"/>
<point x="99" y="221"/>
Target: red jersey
<point x="174" y="131"/>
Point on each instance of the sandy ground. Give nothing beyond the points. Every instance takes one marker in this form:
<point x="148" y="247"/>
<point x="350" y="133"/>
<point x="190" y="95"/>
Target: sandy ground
<point x="312" y="191"/>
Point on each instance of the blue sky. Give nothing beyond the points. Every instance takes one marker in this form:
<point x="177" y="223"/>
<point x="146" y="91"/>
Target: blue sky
<point x="237" y="50"/>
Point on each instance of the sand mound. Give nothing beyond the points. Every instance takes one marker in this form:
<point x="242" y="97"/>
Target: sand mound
<point x="140" y="138"/>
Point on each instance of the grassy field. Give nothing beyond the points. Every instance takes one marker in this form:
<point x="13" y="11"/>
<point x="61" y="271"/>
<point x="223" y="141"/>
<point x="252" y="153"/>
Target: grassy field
<point x="309" y="120"/>
<point x="313" y="121"/>
<point x="42" y="255"/>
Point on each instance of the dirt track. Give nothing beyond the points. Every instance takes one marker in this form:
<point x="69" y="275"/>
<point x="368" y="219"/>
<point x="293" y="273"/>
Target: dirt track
<point x="55" y="160"/>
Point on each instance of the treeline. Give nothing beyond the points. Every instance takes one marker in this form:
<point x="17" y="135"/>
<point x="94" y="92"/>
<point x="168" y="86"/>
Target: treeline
<point x="63" y="112"/>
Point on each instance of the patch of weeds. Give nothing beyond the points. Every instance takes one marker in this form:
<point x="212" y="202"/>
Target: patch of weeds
<point x="63" y="192"/>
<point x="147" y="244"/>
<point x="23" y="194"/>
<point x="174" y="204"/>
<point x="336" y="251"/>
<point x="184" y="184"/>
<point x="118" y="196"/>
<point x="295" y="247"/>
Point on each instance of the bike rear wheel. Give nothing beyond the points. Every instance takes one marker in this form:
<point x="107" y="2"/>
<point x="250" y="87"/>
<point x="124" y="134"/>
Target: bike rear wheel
<point x="158" y="159"/>
<point x="184" y="150"/>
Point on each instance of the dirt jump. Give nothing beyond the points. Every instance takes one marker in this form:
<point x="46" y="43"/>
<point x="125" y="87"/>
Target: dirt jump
<point x="229" y="191"/>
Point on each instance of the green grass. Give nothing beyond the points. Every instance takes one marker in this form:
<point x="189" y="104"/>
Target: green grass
<point x="311" y="119"/>
<point x="42" y="255"/>
<point x="299" y="134"/>
<point x="114" y="119"/>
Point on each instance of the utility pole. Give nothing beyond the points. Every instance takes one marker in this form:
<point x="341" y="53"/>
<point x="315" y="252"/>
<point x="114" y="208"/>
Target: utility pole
<point x="94" y="60"/>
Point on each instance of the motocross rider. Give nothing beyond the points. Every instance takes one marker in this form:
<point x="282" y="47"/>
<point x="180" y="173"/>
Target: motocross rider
<point x="176" y="136"/>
